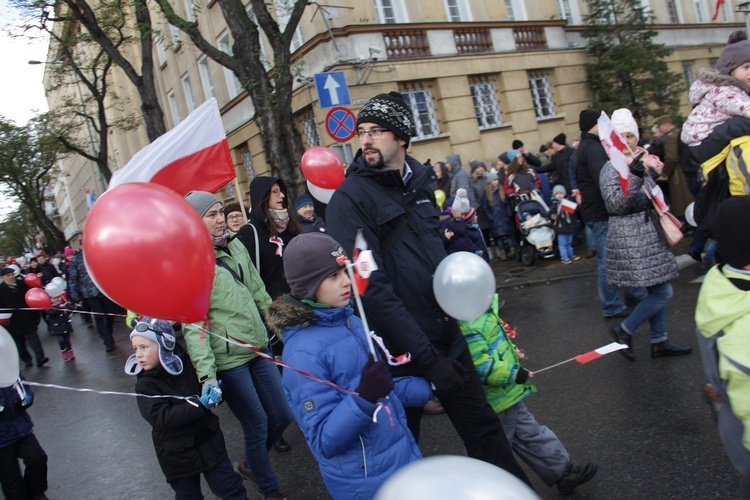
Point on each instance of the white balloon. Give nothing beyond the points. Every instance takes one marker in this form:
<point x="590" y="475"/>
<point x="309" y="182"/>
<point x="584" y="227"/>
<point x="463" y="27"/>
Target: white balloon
<point x="323" y="195"/>
<point x="54" y="289"/>
<point x="464" y="285"/>
<point x="690" y="215"/>
<point x="58" y="280"/>
<point x="16" y="269"/>
<point x="456" y="478"/>
<point x="8" y="359"/>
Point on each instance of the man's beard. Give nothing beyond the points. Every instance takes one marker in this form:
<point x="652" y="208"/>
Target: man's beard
<point x="378" y="163"/>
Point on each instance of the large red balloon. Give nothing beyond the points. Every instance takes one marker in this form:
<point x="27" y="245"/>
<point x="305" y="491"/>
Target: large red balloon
<point x="147" y="249"/>
<point x="32" y="280"/>
<point x="323" y="167"/>
<point x="37" y="298"/>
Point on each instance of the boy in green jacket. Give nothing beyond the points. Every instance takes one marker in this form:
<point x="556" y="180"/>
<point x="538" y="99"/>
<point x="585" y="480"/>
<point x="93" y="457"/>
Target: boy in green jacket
<point x="507" y="384"/>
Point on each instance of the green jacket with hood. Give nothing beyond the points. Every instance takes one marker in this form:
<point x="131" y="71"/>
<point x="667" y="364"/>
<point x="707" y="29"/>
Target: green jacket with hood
<point x="234" y="311"/>
<point x="723" y="319"/>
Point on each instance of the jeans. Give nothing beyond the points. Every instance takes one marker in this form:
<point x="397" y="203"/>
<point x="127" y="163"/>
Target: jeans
<point x="33" y="482"/>
<point x="565" y="244"/>
<point x="254" y="393"/>
<point x="224" y="482"/>
<point x="652" y="308"/>
<point x="611" y="302"/>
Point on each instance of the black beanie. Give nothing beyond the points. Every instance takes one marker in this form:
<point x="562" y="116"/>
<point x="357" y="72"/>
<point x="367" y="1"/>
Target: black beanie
<point x="516" y="144"/>
<point x="309" y="259"/>
<point x="733" y="241"/>
<point x="588" y="119"/>
<point x="560" y="139"/>
<point x="389" y="111"/>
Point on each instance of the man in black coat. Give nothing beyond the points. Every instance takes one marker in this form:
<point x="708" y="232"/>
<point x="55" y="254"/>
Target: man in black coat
<point x="23" y="323"/>
<point x="590" y="159"/>
<point x="389" y="196"/>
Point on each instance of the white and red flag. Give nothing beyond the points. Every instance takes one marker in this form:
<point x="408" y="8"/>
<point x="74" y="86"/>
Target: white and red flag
<point x="192" y="156"/>
<point x="614" y="145"/>
<point x="719" y="3"/>
<point x="568" y="206"/>
<point x="598" y="353"/>
<point x="364" y="263"/>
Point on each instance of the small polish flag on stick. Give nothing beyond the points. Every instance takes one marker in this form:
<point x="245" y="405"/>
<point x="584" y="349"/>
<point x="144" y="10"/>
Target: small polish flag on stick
<point x="193" y="155"/>
<point x="615" y="146"/>
<point x="568" y="206"/>
<point x="589" y="356"/>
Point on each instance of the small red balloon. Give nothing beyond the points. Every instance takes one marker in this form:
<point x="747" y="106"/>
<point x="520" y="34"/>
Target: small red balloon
<point x="32" y="280"/>
<point x="148" y="250"/>
<point x="37" y="298"/>
<point x="323" y="167"/>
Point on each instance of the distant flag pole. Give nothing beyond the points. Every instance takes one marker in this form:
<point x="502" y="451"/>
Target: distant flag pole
<point x="192" y="156"/>
<point x="589" y="356"/>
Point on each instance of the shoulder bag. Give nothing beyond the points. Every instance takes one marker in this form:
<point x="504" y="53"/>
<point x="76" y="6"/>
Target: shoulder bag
<point x="670" y="228"/>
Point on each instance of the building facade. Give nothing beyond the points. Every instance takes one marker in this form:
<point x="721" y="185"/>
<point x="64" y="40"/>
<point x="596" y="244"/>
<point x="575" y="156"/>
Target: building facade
<point x="477" y="73"/>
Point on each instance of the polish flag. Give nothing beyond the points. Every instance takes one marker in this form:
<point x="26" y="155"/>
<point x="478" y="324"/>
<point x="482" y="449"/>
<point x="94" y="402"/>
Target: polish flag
<point x="192" y="156"/>
<point x="719" y="3"/>
<point x="364" y="263"/>
<point x="614" y="144"/>
<point x="658" y="196"/>
<point x="568" y="206"/>
<point x="598" y="353"/>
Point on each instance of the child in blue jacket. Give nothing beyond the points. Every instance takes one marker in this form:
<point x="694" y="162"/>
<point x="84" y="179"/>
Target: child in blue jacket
<point x="356" y="452"/>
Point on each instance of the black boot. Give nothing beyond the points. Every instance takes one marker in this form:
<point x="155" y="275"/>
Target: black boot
<point x="282" y="446"/>
<point x="574" y="476"/>
<point x="623" y="337"/>
<point x="667" y="348"/>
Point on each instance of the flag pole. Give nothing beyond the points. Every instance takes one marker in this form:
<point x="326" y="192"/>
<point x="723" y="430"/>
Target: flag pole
<point x="360" y="308"/>
<point x="239" y="197"/>
<point x="554" y="366"/>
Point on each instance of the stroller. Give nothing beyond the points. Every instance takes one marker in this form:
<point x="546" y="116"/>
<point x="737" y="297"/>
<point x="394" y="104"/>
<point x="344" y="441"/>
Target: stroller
<point x="532" y="216"/>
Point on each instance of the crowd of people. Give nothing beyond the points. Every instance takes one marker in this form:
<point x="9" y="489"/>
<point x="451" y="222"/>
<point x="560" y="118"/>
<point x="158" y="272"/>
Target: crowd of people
<point x="282" y="286"/>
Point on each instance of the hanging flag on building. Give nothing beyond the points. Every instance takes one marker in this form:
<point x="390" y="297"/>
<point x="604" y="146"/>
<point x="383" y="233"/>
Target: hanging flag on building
<point x="90" y="198"/>
<point x="192" y="156"/>
<point x="719" y="3"/>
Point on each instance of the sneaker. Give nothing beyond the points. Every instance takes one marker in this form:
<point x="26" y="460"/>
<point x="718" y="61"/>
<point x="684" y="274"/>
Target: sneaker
<point x="282" y="446"/>
<point x="575" y="257"/>
<point x="567" y="261"/>
<point x="667" y="348"/>
<point x="41" y="362"/>
<point x="623" y="337"/>
<point x="71" y="355"/>
<point x="575" y="476"/>
<point x="622" y="314"/>
<point x="590" y="253"/>
<point x="246" y="474"/>
<point x="277" y="495"/>
<point x="64" y="353"/>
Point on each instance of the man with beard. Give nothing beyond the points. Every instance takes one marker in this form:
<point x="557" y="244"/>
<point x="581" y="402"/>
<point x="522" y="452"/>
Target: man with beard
<point x="388" y="195"/>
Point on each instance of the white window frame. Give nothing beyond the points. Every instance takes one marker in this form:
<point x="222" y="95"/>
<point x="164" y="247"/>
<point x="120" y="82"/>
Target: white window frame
<point x="461" y="8"/>
<point x="310" y="127"/>
<point x="688" y="73"/>
<point x="247" y="160"/>
<point x="422" y="106"/>
<point x="516" y="10"/>
<point x="283" y="12"/>
<point x="397" y="14"/>
<point x="234" y="87"/>
<point x="726" y="12"/>
<point x="542" y="97"/>
<point x="190" y="10"/>
<point x="343" y="151"/>
<point x="486" y="105"/>
<point x="230" y="189"/>
<point x="187" y="89"/>
<point x="176" y="41"/>
<point x="161" y="52"/>
<point x="173" y="108"/>
<point x="700" y="13"/>
<point x="676" y="11"/>
<point x="205" y="73"/>
<point x="569" y="11"/>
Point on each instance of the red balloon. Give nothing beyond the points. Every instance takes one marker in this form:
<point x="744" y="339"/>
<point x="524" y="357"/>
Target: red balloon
<point x="32" y="280"/>
<point x="37" y="298"/>
<point x="323" y="167"/>
<point x="148" y="250"/>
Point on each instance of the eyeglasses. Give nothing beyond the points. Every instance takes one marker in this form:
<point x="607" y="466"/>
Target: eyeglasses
<point x="234" y="217"/>
<point x="374" y="133"/>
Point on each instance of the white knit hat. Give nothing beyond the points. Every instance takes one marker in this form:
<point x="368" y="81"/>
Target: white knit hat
<point x="624" y="122"/>
<point x="461" y="202"/>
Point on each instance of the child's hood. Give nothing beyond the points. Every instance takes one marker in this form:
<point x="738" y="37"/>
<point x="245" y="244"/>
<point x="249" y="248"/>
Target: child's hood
<point x="708" y="80"/>
<point x="286" y="312"/>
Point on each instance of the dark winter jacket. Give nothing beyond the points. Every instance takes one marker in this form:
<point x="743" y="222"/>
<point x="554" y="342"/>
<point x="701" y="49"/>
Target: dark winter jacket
<point x="187" y="439"/>
<point x="48" y="272"/>
<point x="21" y="320"/>
<point x="59" y="320"/>
<point x="590" y="159"/>
<point x="314" y="225"/>
<point x="565" y="222"/>
<point x="81" y="285"/>
<point x="271" y="268"/>
<point x="500" y="214"/>
<point x="15" y="423"/>
<point x="400" y="303"/>
<point x="460" y="241"/>
<point x="564" y="170"/>
<point x="355" y="454"/>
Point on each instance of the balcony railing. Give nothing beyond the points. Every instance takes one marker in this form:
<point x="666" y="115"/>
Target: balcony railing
<point x="529" y="38"/>
<point x="404" y="44"/>
<point x="473" y="40"/>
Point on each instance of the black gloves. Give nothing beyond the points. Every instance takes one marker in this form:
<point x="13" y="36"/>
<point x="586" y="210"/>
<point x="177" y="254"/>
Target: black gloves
<point x="375" y="381"/>
<point x="637" y="167"/>
<point x="447" y="374"/>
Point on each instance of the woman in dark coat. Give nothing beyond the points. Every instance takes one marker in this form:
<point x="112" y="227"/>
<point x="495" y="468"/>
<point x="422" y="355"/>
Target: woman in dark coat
<point x="500" y="214"/>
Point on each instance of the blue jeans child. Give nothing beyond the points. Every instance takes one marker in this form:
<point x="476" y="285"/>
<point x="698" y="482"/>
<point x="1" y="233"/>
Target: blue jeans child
<point x="565" y="244"/>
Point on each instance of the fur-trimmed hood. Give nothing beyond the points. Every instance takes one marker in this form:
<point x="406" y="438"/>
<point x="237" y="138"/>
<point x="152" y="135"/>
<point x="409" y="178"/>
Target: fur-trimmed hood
<point x="286" y="312"/>
<point x="708" y="79"/>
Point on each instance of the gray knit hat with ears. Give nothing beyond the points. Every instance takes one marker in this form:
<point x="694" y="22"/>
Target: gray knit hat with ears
<point x="735" y="54"/>
<point x="201" y="201"/>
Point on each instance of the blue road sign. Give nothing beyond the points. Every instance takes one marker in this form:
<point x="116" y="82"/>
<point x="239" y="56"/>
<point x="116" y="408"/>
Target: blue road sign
<point x="332" y="89"/>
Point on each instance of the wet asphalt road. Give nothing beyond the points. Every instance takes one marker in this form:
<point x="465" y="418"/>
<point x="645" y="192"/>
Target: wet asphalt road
<point x="645" y="423"/>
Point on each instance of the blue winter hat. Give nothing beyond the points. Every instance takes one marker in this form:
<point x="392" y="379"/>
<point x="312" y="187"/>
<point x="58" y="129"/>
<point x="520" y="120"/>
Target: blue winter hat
<point x="512" y="154"/>
<point x="302" y="200"/>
